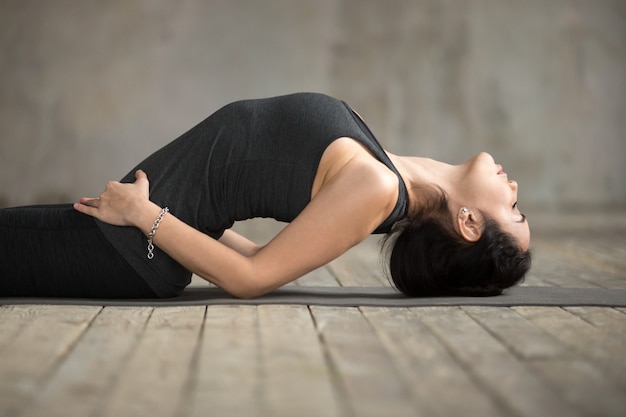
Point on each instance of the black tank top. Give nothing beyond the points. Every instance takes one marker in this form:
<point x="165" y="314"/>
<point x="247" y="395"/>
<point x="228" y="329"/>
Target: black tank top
<point x="251" y="158"/>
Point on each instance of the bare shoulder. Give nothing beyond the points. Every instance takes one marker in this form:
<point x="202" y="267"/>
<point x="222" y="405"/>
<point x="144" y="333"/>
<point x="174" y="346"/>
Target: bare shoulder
<point x="378" y="184"/>
<point x="356" y="196"/>
<point x="358" y="185"/>
<point x="368" y="176"/>
<point x="359" y="176"/>
<point x="348" y="159"/>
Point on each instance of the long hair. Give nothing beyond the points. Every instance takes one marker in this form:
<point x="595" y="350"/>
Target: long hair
<point x="428" y="257"/>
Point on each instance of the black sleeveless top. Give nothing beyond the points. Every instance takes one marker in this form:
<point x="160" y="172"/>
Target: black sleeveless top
<point x="251" y="158"/>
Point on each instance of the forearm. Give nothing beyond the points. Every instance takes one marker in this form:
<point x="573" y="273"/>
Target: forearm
<point x="216" y="262"/>
<point x="239" y="243"/>
<point x="129" y="205"/>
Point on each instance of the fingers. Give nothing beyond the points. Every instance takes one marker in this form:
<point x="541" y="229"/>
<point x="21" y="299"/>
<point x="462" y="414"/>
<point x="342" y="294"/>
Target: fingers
<point x="142" y="182"/>
<point x="88" y="206"/>
<point x="141" y="174"/>
<point x="115" y="200"/>
<point x="92" y="202"/>
<point x="85" y="209"/>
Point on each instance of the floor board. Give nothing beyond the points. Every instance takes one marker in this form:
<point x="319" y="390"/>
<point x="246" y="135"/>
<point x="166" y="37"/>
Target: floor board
<point x="330" y="361"/>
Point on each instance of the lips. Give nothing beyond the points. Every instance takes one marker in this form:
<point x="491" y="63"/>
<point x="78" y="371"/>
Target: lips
<point x="500" y="170"/>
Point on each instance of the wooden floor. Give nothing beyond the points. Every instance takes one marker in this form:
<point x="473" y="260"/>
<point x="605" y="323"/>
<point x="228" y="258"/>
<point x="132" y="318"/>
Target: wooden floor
<point x="325" y="361"/>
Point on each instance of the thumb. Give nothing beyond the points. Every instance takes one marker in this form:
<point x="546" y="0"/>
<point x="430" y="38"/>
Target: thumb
<point x="141" y="179"/>
<point x="141" y="175"/>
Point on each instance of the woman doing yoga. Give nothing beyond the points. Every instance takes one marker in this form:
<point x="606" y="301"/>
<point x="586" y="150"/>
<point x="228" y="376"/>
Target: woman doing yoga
<point x="306" y="159"/>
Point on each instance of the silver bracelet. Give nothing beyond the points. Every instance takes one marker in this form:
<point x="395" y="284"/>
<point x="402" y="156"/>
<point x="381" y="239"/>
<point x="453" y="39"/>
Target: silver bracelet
<point x="155" y="226"/>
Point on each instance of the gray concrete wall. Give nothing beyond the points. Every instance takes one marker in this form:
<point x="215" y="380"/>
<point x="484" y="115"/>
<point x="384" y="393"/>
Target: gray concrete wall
<point x="90" y="87"/>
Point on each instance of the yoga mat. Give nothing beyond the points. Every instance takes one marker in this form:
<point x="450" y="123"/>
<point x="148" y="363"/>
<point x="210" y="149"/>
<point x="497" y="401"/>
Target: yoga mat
<point x="361" y="296"/>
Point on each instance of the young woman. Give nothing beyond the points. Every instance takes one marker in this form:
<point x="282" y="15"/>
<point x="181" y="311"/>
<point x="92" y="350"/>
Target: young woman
<point x="306" y="159"/>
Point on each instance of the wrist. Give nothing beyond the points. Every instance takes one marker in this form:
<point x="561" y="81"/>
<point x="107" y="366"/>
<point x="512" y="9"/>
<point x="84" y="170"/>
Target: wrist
<point x="153" y="230"/>
<point x="145" y="216"/>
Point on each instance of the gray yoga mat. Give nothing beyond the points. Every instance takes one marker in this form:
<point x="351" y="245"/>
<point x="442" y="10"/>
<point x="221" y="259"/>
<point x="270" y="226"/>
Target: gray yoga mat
<point x="362" y="296"/>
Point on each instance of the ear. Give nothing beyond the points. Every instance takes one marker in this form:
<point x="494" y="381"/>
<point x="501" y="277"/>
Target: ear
<point x="468" y="224"/>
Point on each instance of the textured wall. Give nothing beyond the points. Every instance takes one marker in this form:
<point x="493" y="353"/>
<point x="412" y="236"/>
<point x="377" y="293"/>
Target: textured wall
<point x="88" y="88"/>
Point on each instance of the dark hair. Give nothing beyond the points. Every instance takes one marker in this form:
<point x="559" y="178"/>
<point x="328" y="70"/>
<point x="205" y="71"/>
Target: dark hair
<point x="429" y="257"/>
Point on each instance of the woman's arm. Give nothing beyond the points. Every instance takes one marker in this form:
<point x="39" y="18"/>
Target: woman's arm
<point x="239" y="243"/>
<point x="342" y="214"/>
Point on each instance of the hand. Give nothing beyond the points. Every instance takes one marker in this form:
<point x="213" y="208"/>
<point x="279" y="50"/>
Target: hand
<point x="119" y="204"/>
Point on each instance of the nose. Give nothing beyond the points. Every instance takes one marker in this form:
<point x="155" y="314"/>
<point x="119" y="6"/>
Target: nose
<point x="487" y="157"/>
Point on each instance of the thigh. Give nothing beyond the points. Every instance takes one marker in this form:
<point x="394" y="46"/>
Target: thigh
<point x="54" y="251"/>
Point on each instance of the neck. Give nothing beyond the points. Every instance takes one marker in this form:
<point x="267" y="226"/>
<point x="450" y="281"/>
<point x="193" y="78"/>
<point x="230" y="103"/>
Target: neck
<point x="423" y="174"/>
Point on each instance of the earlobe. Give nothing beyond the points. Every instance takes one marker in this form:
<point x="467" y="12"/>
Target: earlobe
<point x="468" y="226"/>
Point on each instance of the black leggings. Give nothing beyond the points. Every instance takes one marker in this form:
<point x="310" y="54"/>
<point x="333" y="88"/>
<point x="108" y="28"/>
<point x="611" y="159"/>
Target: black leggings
<point x="55" y="251"/>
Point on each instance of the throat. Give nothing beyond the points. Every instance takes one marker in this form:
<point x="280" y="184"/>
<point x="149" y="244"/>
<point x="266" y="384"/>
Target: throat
<point x="422" y="177"/>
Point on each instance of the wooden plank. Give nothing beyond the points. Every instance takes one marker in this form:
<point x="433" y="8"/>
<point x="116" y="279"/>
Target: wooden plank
<point x="578" y="381"/>
<point x="31" y="357"/>
<point x="583" y="385"/>
<point x="521" y="336"/>
<point x="14" y="319"/>
<point x="428" y="368"/>
<point x="82" y="383"/>
<point x="572" y="264"/>
<point x="370" y="383"/>
<point x="155" y="379"/>
<point x="590" y="339"/>
<point x="558" y="270"/>
<point x="586" y="340"/>
<point x="602" y="252"/>
<point x="361" y="266"/>
<point x="512" y="383"/>
<point x="609" y="320"/>
<point x="536" y="280"/>
<point x="227" y="381"/>
<point x="296" y="378"/>
<point x="261" y="361"/>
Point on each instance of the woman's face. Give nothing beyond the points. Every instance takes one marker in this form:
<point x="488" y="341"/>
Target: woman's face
<point x="486" y="187"/>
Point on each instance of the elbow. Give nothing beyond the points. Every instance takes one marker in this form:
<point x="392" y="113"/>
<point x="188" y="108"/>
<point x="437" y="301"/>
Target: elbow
<point x="242" y="292"/>
<point x="247" y="289"/>
<point x="243" y="281"/>
<point x="247" y="293"/>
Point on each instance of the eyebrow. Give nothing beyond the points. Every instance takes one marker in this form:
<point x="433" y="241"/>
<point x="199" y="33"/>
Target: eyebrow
<point x="523" y="219"/>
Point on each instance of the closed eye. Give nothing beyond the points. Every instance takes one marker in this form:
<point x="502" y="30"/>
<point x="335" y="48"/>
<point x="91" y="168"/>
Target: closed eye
<point x="523" y="219"/>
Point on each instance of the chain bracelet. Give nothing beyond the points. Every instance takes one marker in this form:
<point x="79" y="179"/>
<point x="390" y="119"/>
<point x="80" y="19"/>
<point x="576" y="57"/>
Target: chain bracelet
<point x="155" y="226"/>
